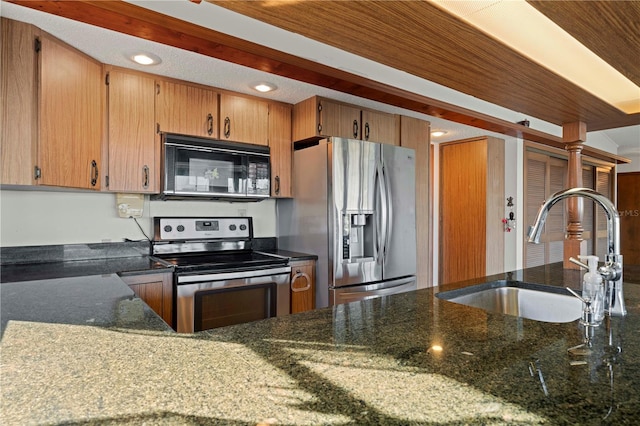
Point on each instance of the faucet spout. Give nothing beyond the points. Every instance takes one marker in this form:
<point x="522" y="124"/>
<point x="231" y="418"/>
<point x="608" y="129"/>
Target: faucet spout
<point x="612" y="270"/>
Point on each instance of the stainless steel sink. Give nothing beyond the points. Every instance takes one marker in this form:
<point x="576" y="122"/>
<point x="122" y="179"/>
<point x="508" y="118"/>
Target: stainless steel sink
<point x="534" y="302"/>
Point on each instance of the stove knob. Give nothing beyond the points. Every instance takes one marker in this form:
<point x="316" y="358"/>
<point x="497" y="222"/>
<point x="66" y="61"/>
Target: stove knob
<point x="168" y="228"/>
<point x="180" y="228"/>
<point x="243" y="227"/>
<point x="232" y="227"/>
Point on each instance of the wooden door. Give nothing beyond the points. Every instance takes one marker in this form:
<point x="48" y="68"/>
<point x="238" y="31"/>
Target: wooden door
<point x="414" y="134"/>
<point x="244" y="119"/>
<point x="380" y="127"/>
<point x="629" y="210"/>
<point x="132" y="136"/>
<point x="463" y="192"/>
<point x="281" y="149"/>
<point x="71" y="102"/>
<point x="339" y="120"/>
<point x="186" y="109"/>
<point x="18" y="117"/>
<point x="302" y="286"/>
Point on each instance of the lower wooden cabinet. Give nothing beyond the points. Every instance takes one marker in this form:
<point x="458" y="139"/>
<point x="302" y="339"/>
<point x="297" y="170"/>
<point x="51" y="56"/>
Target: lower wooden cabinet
<point x="303" y="286"/>
<point x="156" y="290"/>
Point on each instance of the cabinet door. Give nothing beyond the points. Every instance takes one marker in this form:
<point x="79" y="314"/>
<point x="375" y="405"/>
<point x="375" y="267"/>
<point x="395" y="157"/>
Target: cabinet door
<point x="379" y="127"/>
<point x="18" y="117"/>
<point x="339" y="120"/>
<point x="70" y="116"/>
<point x="281" y="149"/>
<point x="244" y="119"/>
<point x="186" y="109"/>
<point x="132" y="136"/>
<point x="151" y="293"/>
<point x="303" y="283"/>
<point x="156" y="290"/>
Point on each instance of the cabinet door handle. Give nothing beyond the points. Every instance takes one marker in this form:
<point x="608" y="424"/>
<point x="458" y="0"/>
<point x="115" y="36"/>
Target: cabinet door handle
<point x="355" y="128"/>
<point x="300" y="274"/>
<point x="145" y="177"/>
<point x="94" y="171"/>
<point x="366" y="131"/>
<point x="209" y="124"/>
<point x="227" y="127"/>
<point x="277" y="189"/>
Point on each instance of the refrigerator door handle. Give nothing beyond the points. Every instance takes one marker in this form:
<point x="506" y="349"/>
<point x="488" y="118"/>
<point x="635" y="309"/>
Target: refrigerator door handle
<point x="388" y="209"/>
<point x="381" y="213"/>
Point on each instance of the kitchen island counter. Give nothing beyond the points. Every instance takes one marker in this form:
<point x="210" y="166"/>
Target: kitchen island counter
<point x="410" y="358"/>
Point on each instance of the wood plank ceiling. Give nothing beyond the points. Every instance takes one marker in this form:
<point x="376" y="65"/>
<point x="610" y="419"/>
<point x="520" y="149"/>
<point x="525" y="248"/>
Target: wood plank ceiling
<point x="413" y="36"/>
<point x="421" y="39"/>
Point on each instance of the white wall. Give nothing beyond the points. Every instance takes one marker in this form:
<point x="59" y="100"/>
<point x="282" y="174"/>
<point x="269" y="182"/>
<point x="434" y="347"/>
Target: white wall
<point x="46" y="217"/>
<point x="513" y="178"/>
<point x="634" y="166"/>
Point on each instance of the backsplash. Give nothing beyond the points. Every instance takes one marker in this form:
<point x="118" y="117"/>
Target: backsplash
<point x="35" y="218"/>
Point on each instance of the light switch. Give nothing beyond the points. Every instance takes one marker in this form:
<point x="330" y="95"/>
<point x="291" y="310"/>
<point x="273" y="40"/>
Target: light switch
<point x="129" y="205"/>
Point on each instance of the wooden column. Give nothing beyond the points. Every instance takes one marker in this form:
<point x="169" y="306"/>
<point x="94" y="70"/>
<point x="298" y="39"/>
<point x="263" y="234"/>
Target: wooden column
<point x="574" y="135"/>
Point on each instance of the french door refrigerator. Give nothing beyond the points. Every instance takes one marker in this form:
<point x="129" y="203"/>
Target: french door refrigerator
<point x="353" y="207"/>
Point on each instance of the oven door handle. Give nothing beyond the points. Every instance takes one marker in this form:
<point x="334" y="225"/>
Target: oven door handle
<point x="192" y="278"/>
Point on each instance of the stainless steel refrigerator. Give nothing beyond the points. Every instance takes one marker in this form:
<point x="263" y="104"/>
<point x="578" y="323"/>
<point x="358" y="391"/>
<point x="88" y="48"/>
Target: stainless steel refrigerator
<point x="353" y="207"/>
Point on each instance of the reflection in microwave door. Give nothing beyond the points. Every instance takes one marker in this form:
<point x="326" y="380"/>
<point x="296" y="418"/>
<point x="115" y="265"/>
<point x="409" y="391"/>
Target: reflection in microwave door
<point x="211" y="174"/>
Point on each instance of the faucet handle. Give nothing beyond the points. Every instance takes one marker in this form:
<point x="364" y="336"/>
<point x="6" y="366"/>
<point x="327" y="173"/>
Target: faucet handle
<point x="577" y="262"/>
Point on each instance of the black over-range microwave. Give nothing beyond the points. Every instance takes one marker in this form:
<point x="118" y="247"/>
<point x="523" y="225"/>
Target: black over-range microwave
<point x="213" y="169"/>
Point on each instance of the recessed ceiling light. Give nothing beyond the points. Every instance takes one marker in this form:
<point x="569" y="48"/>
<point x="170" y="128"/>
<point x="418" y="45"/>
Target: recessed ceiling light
<point x="144" y="58"/>
<point x="438" y="133"/>
<point x="264" y="87"/>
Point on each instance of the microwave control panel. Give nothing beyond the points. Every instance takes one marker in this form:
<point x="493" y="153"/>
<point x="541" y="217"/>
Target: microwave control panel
<point x="180" y="228"/>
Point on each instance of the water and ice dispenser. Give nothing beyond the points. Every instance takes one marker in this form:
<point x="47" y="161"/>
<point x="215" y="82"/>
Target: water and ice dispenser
<point x="358" y="236"/>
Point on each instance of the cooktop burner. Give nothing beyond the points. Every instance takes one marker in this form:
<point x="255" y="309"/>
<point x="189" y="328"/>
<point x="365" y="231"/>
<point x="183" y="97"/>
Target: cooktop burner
<point x="221" y="261"/>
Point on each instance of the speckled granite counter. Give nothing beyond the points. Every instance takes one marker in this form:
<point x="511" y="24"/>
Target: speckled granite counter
<point x="371" y="362"/>
<point x="98" y="300"/>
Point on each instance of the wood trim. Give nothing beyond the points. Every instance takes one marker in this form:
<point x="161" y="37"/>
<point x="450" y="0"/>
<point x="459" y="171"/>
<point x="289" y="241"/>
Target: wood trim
<point x="140" y="22"/>
<point x="562" y="153"/>
<point x="496" y="206"/>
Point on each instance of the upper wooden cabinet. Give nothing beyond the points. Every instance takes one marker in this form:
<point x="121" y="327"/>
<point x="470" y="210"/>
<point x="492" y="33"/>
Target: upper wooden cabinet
<point x="319" y="117"/>
<point x="281" y="149"/>
<point x="19" y="115"/>
<point x="71" y="102"/>
<point x="186" y="109"/>
<point x="244" y="119"/>
<point x="52" y="111"/>
<point x="131" y="132"/>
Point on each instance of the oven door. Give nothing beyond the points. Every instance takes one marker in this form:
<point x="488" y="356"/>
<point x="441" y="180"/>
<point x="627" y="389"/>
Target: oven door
<point x="211" y="300"/>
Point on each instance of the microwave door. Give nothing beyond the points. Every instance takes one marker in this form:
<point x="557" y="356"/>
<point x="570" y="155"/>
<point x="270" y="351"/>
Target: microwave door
<point x="206" y="172"/>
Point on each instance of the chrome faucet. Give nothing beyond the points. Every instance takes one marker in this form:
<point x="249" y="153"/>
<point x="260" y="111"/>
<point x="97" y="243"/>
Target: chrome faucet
<point x="611" y="271"/>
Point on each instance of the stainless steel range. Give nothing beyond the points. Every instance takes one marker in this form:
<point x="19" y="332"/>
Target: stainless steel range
<point x="219" y="279"/>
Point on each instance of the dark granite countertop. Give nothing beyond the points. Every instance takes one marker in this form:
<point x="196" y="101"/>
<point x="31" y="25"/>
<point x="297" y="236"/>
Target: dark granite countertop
<point x="97" y="300"/>
<point x="405" y="359"/>
<point x="78" y="260"/>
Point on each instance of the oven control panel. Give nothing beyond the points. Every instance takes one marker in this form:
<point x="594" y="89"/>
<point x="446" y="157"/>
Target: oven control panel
<point x="190" y="228"/>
